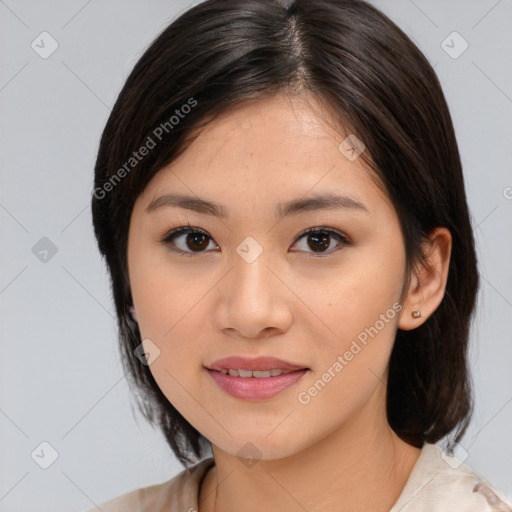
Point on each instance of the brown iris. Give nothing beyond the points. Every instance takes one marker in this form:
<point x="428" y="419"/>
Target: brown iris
<point x="320" y="241"/>
<point x="197" y="241"/>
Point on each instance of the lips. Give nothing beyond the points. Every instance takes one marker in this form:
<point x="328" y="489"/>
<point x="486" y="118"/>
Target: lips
<point x="255" y="379"/>
<point x="257" y="364"/>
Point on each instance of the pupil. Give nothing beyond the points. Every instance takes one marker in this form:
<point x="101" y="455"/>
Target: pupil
<point x="322" y="239"/>
<point x="196" y="237"/>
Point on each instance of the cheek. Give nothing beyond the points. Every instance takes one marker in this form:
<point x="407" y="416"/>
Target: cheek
<point x="350" y="365"/>
<point x="171" y="311"/>
<point x="174" y="323"/>
<point x="170" y="318"/>
<point x="358" y="317"/>
<point x="161" y="296"/>
<point x="359" y="296"/>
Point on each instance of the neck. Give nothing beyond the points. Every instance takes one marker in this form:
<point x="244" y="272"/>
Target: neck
<point x="361" y="466"/>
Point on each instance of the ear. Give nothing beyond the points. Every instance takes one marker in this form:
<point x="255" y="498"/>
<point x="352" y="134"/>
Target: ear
<point x="428" y="279"/>
<point x="133" y="313"/>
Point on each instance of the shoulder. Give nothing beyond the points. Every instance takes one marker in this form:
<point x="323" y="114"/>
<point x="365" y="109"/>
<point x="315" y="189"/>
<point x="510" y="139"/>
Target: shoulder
<point x="178" y="493"/>
<point x="441" y="483"/>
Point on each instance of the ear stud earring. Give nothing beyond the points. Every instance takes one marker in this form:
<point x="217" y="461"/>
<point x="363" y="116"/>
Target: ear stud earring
<point x="416" y="314"/>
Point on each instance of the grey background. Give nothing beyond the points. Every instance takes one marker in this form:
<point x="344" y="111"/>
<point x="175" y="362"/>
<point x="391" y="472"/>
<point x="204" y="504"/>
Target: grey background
<point x="61" y="380"/>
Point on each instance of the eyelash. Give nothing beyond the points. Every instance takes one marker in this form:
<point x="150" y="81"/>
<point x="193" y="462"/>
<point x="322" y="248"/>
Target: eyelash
<point x="339" y="237"/>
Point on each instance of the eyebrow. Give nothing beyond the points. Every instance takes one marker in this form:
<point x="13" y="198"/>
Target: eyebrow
<point x="293" y="207"/>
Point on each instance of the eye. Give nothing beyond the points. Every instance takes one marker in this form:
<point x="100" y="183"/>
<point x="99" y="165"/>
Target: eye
<point x="197" y="241"/>
<point x="319" y="239"/>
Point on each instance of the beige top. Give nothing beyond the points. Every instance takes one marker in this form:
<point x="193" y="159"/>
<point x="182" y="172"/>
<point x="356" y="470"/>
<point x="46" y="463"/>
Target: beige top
<point x="436" y="484"/>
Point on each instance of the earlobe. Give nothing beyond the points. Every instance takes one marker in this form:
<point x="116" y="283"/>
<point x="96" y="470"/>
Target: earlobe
<point x="428" y="282"/>
<point x="133" y="313"/>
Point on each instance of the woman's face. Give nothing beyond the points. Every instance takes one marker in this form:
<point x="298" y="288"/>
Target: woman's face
<point x="255" y="283"/>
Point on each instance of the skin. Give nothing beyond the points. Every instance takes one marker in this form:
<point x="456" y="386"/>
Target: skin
<point x="302" y="309"/>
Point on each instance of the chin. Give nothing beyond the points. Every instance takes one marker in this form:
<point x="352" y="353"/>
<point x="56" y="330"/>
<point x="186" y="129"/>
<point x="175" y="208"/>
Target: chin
<point x="258" y="447"/>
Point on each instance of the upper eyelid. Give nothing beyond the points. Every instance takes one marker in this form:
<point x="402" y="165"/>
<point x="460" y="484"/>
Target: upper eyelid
<point x="322" y="229"/>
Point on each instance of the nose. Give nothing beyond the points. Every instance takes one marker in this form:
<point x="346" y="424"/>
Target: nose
<point x="255" y="300"/>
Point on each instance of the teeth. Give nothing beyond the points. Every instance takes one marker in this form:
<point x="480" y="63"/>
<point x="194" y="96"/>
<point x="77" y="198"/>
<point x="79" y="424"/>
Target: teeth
<point x="259" y="374"/>
<point x="263" y="373"/>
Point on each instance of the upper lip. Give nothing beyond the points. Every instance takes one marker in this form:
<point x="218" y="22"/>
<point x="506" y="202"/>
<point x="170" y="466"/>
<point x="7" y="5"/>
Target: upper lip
<point x="258" y="363"/>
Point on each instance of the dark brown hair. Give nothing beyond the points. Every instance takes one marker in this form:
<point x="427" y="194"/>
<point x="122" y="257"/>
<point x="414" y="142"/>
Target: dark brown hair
<point x="374" y="81"/>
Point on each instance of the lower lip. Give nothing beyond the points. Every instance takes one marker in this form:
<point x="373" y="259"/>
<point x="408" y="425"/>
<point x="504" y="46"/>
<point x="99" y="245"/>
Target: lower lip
<point x="253" y="388"/>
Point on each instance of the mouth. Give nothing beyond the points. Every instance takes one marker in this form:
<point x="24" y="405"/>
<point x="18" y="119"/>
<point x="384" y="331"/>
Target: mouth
<point x="245" y="367"/>
<point x="255" y="379"/>
<point x="258" y="374"/>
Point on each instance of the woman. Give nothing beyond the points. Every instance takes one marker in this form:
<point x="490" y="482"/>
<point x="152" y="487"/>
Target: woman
<point x="280" y="202"/>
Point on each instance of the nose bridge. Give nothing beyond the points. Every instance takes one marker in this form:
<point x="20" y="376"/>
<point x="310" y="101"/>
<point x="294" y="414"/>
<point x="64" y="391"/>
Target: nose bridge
<point x="252" y="280"/>
<point x="253" y="298"/>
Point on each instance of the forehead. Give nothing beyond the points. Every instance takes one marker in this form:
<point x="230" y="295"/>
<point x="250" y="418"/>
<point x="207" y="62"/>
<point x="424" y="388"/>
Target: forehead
<point x="267" y="151"/>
